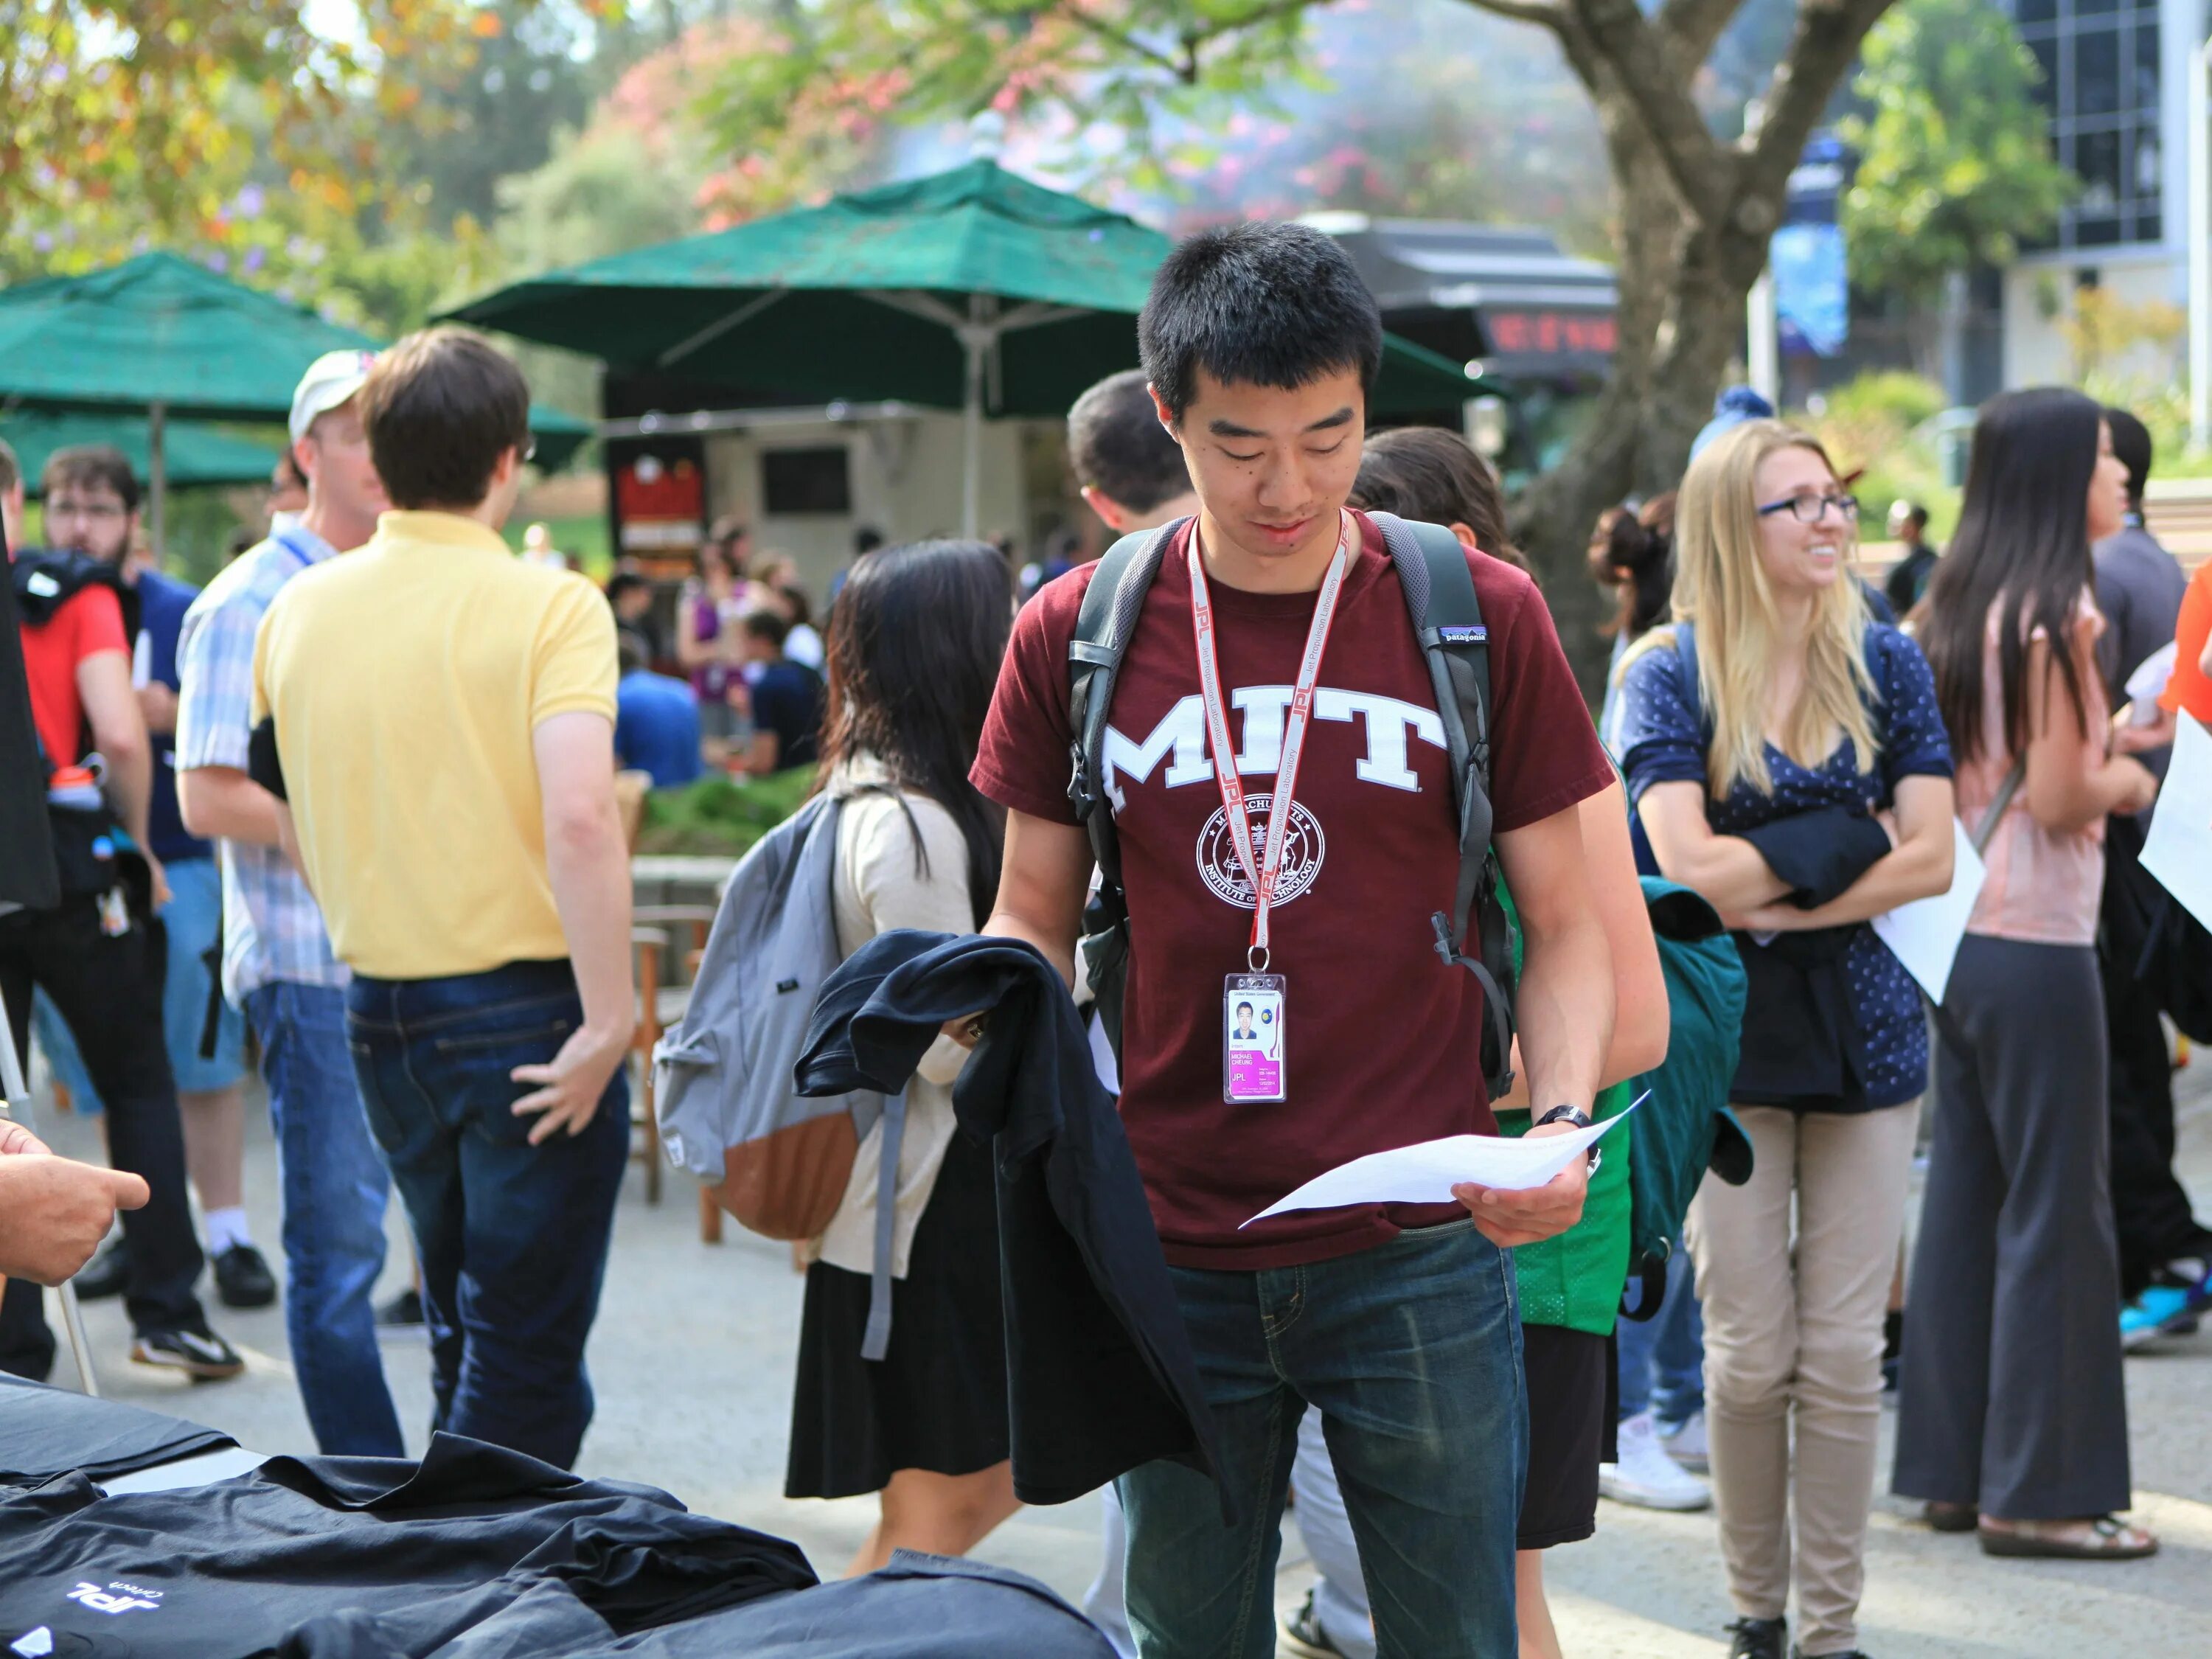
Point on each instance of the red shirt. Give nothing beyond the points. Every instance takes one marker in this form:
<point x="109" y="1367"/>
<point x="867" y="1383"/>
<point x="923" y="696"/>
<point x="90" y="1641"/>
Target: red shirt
<point x="90" y="620"/>
<point x="1381" y="1039"/>
<point x="2189" y="692"/>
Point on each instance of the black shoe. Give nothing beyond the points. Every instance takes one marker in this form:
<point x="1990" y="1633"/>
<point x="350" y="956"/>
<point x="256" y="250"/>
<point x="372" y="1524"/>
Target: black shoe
<point x="405" y="1309"/>
<point x="1848" y="1653"/>
<point x="1303" y="1636"/>
<point x="104" y="1275"/>
<point x="242" y="1278"/>
<point x="201" y="1355"/>
<point x="1757" y="1638"/>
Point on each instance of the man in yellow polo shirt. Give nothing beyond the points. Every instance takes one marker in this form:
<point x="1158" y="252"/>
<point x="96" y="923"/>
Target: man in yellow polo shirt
<point x="438" y="717"/>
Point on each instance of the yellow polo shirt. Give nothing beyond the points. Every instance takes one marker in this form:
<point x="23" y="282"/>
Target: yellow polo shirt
<point x="406" y="680"/>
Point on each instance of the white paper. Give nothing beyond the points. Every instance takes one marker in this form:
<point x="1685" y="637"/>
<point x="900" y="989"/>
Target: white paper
<point x="1924" y="934"/>
<point x="2179" y="850"/>
<point x="2147" y="683"/>
<point x="1426" y="1173"/>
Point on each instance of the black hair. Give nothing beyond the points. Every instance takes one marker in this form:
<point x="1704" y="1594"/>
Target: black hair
<point x="866" y="540"/>
<point x="2021" y="555"/>
<point x="625" y="582"/>
<point x="1633" y="550"/>
<point x="1915" y="512"/>
<point x="915" y="640"/>
<point x="802" y="609"/>
<point x="765" y="625"/>
<point x="92" y="463"/>
<point x="2131" y="443"/>
<point x="1117" y="446"/>
<point x="1427" y="473"/>
<point x="1257" y="304"/>
<point x="1245" y="1008"/>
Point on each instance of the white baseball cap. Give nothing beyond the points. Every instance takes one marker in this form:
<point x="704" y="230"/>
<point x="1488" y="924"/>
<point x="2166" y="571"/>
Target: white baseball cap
<point x="330" y="380"/>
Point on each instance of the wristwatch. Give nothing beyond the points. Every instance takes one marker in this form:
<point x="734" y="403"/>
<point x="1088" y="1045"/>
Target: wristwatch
<point x="1581" y="1120"/>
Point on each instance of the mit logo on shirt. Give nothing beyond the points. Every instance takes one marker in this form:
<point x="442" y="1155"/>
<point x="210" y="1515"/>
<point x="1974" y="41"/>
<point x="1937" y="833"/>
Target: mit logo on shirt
<point x="1387" y="721"/>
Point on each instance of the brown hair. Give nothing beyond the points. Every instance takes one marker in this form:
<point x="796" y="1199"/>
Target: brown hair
<point x="439" y="408"/>
<point x="1632" y="549"/>
<point x="93" y="464"/>
<point x="1427" y="473"/>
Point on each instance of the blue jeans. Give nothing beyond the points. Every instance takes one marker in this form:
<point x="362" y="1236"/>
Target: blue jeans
<point x="335" y="1187"/>
<point x="1411" y="1352"/>
<point x="512" y="1238"/>
<point x="1662" y="1359"/>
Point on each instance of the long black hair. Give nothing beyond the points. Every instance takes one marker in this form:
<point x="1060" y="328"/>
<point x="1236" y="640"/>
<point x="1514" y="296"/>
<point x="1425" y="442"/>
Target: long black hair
<point x="913" y="648"/>
<point x="2020" y="555"/>
<point x="1633" y="550"/>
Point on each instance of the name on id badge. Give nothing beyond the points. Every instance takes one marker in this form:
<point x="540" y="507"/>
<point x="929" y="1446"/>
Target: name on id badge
<point x="1252" y="1039"/>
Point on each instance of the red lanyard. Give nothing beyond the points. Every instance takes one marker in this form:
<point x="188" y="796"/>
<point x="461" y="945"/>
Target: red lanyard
<point x="1262" y="871"/>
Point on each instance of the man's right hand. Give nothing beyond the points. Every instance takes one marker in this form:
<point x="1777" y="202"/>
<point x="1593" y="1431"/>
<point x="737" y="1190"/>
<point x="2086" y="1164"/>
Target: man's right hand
<point x="572" y="1081"/>
<point x="54" y="1212"/>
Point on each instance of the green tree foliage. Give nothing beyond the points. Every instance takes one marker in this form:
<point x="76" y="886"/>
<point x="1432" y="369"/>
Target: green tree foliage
<point x="1955" y="165"/>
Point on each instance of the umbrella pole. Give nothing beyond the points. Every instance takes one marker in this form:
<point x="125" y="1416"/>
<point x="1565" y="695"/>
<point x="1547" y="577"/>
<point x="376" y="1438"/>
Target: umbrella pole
<point x="157" y="478"/>
<point x="976" y="340"/>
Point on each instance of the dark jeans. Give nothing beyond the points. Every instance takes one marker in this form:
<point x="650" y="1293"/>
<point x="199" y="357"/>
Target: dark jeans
<point x="335" y="1189"/>
<point x="1411" y="1352"/>
<point x="512" y="1238"/>
<point x="1662" y="1359"/>
<point x="108" y="991"/>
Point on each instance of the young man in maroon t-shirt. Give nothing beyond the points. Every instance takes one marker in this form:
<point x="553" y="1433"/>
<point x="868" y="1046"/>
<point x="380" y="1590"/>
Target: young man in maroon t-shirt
<point x="1397" y="1322"/>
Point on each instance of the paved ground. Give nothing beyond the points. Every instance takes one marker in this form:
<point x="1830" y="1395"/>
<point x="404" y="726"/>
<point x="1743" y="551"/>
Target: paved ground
<point x="692" y="1359"/>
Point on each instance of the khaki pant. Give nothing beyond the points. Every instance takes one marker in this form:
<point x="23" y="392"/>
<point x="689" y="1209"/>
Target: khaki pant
<point x="1799" y="1328"/>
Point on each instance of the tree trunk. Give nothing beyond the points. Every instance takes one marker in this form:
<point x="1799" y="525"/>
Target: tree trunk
<point x="1680" y="321"/>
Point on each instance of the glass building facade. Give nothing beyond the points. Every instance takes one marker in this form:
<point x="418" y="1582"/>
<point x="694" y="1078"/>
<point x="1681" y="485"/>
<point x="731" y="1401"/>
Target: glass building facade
<point x="2101" y="82"/>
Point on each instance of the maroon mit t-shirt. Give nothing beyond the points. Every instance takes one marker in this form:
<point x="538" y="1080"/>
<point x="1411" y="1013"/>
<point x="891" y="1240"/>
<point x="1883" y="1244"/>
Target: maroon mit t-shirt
<point x="1381" y="1039"/>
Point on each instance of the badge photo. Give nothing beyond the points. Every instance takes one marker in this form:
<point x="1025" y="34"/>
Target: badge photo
<point x="1252" y="1069"/>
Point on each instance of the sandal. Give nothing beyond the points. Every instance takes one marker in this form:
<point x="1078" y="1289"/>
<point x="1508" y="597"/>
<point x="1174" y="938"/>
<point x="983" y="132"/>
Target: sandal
<point x="2100" y="1537"/>
<point x="1950" y="1517"/>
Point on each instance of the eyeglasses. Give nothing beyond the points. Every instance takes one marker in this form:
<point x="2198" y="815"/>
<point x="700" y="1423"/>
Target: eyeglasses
<point x="96" y="512"/>
<point x="1811" y="509"/>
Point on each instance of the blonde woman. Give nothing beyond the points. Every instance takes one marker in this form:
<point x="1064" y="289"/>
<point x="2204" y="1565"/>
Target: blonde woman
<point x="1789" y="762"/>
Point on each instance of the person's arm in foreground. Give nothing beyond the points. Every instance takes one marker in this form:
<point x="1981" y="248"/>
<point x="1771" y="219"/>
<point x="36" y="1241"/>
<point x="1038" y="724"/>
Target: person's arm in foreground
<point x="1641" y="1015"/>
<point x="1565" y="1009"/>
<point x="1043" y="880"/>
<point x="118" y="732"/>
<point x="1917" y="865"/>
<point x="54" y="1211"/>
<point x="589" y="868"/>
<point x="221" y="800"/>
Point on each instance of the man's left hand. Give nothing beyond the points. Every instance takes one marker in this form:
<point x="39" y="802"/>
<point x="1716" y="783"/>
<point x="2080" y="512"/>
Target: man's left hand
<point x="1512" y="1218"/>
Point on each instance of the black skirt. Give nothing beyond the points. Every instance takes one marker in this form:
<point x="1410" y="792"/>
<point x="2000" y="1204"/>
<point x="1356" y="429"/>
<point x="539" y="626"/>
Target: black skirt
<point x="936" y="1400"/>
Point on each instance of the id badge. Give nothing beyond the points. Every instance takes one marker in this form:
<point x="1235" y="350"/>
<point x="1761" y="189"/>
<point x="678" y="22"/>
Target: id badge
<point x="1252" y="1069"/>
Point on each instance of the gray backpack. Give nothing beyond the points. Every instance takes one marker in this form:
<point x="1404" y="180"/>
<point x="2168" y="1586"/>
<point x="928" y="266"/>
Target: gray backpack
<point x="777" y="1160"/>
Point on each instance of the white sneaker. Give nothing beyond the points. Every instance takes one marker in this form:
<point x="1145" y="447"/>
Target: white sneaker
<point x="1685" y="1443"/>
<point x="1645" y="1476"/>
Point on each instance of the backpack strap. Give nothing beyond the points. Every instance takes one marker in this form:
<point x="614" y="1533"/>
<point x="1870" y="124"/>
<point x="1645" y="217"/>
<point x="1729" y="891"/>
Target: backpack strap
<point x="1447" y="616"/>
<point x="876" y="1337"/>
<point x="1102" y="627"/>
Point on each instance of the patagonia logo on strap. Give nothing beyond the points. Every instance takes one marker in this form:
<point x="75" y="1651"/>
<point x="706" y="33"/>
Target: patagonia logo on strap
<point x="1475" y="635"/>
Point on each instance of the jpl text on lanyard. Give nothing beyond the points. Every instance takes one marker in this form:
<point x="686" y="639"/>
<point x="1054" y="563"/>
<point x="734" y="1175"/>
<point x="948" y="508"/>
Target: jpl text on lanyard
<point x="1252" y="1066"/>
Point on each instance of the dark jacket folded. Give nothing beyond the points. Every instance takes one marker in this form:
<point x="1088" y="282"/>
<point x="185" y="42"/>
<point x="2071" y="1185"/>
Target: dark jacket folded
<point x="1100" y="1376"/>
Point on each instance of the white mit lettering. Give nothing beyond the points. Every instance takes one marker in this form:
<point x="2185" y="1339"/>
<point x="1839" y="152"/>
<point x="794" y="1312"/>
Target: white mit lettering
<point x="1182" y="733"/>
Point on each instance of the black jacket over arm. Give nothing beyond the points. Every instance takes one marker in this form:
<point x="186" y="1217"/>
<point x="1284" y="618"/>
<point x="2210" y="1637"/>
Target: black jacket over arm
<point x="1100" y="1376"/>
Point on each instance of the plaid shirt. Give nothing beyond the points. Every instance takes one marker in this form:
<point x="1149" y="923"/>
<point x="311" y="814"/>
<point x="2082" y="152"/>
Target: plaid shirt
<point x="272" y="927"/>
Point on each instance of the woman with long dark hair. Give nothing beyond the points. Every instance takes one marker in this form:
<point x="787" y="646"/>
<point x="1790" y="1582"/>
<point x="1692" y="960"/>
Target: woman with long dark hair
<point x="708" y="613"/>
<point x="2011" y="1411"/>
<point x="914" y="642"/>
<point x="1788" y="762"/>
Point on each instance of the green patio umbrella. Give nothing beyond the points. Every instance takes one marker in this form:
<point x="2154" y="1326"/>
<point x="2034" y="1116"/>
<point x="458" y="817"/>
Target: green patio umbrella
<point x="972" y="290"/>
<point x="195" y="451"/>
<point x="161" y="334"/>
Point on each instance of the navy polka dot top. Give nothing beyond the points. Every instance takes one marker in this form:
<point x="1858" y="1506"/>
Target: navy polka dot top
<point x="1661" y="738"/>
